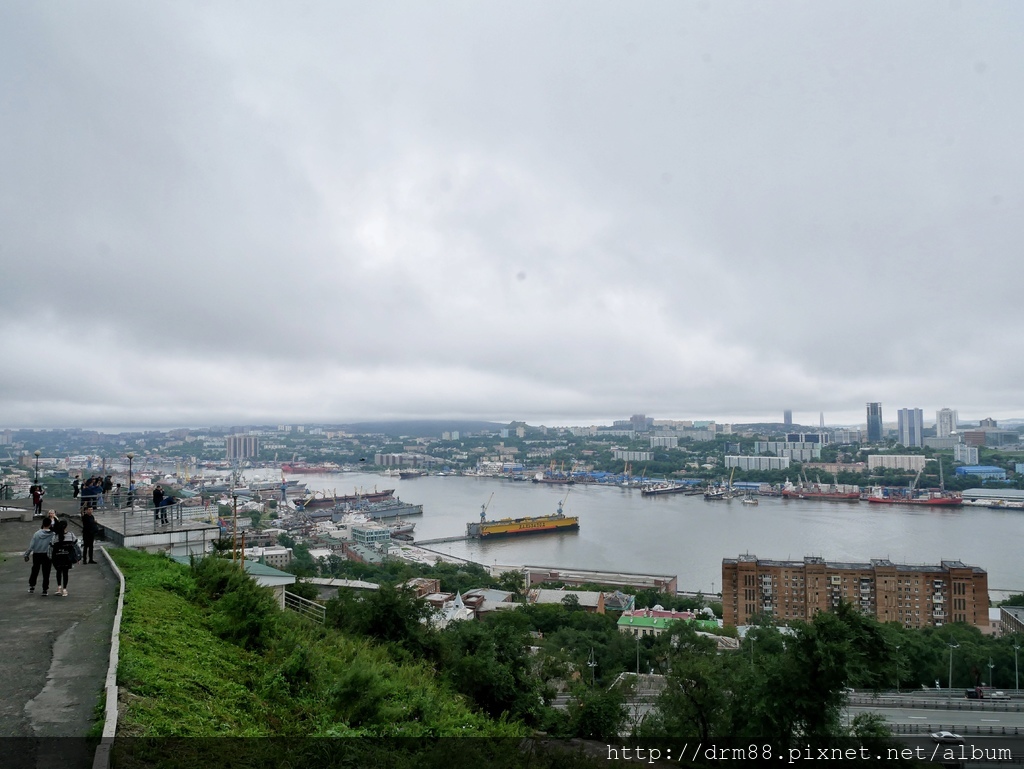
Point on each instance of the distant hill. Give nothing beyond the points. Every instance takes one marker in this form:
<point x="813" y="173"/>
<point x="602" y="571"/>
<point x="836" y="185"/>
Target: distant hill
<point x="424" y="428"/>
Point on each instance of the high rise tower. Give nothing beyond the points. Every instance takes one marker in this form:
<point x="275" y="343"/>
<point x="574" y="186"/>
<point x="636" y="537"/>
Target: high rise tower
<point x="874" y="422"/>
<point x="911" y="422"/>
<point x="787" y="418"/>
<point x="945" y="423"/>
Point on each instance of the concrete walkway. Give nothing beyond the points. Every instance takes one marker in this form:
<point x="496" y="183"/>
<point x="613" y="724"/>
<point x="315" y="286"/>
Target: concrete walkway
<point x="55" y="653"/>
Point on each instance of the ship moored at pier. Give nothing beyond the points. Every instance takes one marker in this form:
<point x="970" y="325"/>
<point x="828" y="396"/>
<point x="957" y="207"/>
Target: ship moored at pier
<point x="538" y="524"/>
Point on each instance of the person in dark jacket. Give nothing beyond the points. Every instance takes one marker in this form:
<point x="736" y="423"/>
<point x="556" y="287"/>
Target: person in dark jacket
<point x="64" y="553"/>
<point x="158" y="500"/>
<point x="38" y="550"/>
<point x="89" y="528"/>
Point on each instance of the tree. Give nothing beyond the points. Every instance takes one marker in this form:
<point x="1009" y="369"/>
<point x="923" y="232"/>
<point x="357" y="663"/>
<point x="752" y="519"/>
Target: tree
<point x="597" y="714"/>
<point x="512" y="581"/>
<point x="489" y="663"/>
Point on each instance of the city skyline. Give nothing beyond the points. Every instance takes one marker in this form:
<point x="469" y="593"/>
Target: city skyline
<point x="891" y="426"/>
<point x="245" y="213"/>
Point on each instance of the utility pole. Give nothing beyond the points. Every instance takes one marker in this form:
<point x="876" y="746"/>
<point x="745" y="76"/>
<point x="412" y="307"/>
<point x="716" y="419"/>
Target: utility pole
<point x="234" y="534"/>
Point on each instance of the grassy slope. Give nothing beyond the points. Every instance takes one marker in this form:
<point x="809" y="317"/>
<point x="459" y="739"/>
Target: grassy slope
<point x="179" y="678"/>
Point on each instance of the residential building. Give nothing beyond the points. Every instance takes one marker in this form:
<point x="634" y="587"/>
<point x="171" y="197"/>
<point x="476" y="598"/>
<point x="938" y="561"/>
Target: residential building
<point x="798" y="451"/>
<point x="942" y="444"/>
<point x="874" y="423"/>
<point x="632" y="456"/>
<point x="945" y="423"/>
<point x="1012" y="620"/>
<point x="819" y="439"/>
<point x="911" y="424"/>
<point x="846" y="437"/>
<point x="640" y="423"/>
<point x="241" y="446"/>
<point x="757" y="463"/>
<point x="912" y="462"/>
<point x="787" y="418"/>
<point x="966" y="454"/>
<point x="664" y="441"/>
<point x="915" y="596"/>
<point x="278" y="557"/>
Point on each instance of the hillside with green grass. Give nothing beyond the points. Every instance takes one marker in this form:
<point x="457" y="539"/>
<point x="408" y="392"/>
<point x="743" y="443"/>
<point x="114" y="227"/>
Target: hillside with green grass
<point x="205" y="652"/>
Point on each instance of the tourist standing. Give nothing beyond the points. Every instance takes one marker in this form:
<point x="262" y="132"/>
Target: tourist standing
<point x="89" y="528"/>
<point x="116" y="497"/>
<point x="75" y="488"/>
<point x="38" y="551"/>
<point x="64" y="553"/>
<point x="158" y="500"/>
<point x="37" y="499"/>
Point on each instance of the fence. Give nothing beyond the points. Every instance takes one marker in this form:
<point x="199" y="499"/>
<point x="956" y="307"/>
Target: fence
<point x="998" y="706"/>
<point x="962" y="729"/>
<point x="308" y="609"/>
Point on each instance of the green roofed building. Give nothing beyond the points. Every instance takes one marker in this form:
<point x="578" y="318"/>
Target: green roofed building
<point x="645" y="622"/>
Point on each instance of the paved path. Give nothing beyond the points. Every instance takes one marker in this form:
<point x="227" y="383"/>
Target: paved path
<point x="55" y="650"/>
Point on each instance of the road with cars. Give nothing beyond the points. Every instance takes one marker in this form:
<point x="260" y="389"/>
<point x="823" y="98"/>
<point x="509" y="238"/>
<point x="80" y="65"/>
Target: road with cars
<point x="989" y="728"/>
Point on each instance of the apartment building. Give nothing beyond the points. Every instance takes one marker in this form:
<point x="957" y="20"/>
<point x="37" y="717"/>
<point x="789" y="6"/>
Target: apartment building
<point x="913" y="595"/>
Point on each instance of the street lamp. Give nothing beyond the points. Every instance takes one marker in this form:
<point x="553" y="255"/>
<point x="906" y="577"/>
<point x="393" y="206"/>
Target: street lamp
<point x="897" y="670"/>
<point x="952" y="645"/>
<point x="1016" y="676"/>
<point x="38" y="453"/>
<point x="131" y="488"/>
<point x="991" y="665"/>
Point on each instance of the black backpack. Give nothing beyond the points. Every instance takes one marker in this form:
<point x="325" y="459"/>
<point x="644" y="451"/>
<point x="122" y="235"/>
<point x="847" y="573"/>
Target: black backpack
<point x="66" y="553"/>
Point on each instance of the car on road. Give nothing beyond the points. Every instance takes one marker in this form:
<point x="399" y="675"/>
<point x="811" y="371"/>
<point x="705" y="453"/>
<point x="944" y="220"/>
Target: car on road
<point x="947" y="738"/>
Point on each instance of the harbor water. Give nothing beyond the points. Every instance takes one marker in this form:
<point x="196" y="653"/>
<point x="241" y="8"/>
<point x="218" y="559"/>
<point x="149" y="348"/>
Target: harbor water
<point x="620" y="530"/>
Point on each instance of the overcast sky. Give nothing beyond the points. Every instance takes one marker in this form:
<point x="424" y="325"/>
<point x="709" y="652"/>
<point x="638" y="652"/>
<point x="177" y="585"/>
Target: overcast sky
<point x="561" y="212"/>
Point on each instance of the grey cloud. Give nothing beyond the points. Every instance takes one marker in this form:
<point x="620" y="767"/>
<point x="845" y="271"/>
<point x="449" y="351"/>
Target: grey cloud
<point x="533" y="211"/>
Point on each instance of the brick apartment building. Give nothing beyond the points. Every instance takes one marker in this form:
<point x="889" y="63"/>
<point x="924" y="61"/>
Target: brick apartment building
<point x="915" y="596"/>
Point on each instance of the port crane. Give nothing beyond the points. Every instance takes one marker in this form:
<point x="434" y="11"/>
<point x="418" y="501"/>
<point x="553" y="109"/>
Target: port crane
<point x="483" y="508"/>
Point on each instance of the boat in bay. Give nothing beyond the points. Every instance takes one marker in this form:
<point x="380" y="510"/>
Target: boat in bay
<point x="329" y="501"/>
<point x="536" y="524"/>
<point x="834" y="492"/>
<point x="897" y="495"/>
<point x="654" y="489"/>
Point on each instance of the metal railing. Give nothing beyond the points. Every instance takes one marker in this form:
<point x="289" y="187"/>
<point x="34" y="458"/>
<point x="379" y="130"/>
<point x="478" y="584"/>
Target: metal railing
<point x="308" y="609"/>
<point x="1000" y="706"/>
<point x="961" y="729"/>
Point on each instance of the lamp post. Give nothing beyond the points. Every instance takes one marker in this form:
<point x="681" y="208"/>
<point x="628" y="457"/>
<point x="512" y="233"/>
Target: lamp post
<point x="38" y="454"/>
<point x="638" y="658"/>
<point x="991" y="665"/>
<point x="1016" y="675"/>
<point x="952" y="645"/>
<point x="897" y="670"/>
<point x="131" y="487"/>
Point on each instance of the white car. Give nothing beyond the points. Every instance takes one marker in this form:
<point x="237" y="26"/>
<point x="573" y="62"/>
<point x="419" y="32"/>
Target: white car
<point x="947" y="737"/>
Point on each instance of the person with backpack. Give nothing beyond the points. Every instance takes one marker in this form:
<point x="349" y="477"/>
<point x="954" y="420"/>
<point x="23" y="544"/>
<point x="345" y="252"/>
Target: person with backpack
<point x="64" y="553"/>
<point x="39" y="552"/>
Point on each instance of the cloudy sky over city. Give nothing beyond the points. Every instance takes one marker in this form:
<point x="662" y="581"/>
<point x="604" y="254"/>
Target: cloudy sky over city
<point x="561" y="212"/>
